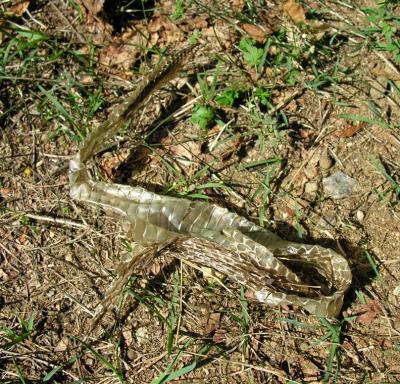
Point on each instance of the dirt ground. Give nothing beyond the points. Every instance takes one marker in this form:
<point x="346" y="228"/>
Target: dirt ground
<point x="324" y="99"/>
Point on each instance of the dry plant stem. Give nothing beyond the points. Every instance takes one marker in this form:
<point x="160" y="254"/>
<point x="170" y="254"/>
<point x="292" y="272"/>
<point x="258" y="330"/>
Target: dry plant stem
<point x="125" y="270"/>
<point x="56" y="220"/>
<point x="207" y="234"/>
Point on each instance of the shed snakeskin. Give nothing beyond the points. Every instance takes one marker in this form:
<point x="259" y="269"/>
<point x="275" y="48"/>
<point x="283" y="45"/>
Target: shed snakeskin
<point x="279" y="272"/>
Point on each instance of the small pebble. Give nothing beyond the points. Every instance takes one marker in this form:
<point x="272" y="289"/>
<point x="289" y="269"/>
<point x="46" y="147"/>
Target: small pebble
<point x="360" y="216"/>
<point x="311" y="188"/>
<point x="339" y="185"/>
<point x="132" y="355"/>
<point x="311" y="171"/>
<point x="127" y="336"/>
<point x="142" y="335"/>
<point x="89" y="361"/>
<point x="325" y="162"/>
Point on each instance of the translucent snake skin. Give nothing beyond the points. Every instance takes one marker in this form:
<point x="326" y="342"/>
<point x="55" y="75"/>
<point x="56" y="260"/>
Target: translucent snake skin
<point x="279" y="272"/>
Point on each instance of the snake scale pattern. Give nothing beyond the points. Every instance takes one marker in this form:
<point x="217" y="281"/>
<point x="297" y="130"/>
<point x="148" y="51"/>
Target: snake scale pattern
<point x="279" y="272"/>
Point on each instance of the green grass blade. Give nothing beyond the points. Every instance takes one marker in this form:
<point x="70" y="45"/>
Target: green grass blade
<point x="180" y="372"/>
<point x="374" y="267"/>
<point x="57" y="104"/>
<point x="161" y="378"/>
<point x="146" y="301"/>
<point x="19" y="372"/>
<point x="245" y="308"/>
<point x="105" y="362"/>
<point x="364" y="119"/>
<point x="259" y="162"/>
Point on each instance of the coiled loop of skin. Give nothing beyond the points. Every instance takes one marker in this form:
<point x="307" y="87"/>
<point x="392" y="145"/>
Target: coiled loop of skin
<point x="279" y="272"/>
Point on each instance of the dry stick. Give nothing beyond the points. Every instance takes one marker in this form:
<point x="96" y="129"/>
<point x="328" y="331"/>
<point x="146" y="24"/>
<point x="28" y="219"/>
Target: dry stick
<point x="125" y="271"/>
<point x="56" y="220"/>
<point x="317" y="140"/>
<point x="178" y="327"/>
<point x="81" y="38"/>
<point x="79" y="304"/>
<point x="151" y="362"/>
<point x="35" y="357"/>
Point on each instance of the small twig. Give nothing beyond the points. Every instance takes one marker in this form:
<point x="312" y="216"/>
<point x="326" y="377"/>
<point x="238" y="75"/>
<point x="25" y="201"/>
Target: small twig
<point x="35" y="20"/>
<point x="79" y="36"/>
<point x="83" y="307"/>
<point x="125" y="270"/>
<point x="214" y="143"/>
<point x="56" y="220"/>
<point x="178" y="326"/>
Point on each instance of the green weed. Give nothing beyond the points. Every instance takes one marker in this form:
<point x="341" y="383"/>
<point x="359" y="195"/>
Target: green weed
<point x="169" y="374"/>
<point x="116" y="371"/>
<point x="19" y="372"/>
<point x="151" y="300"/>
<point x="9" y="337"/>
<point x="227" y="97"/>
<point x="392" y="193"/>
<point x="374" y="267"/>
<point x="253" y="56"/>
<point x="69" y="103"/>
<point x="179" y="10"/>
<point x="383" y="32"/>
<point x="334" y="335"/>
<point x="203" y="116"/>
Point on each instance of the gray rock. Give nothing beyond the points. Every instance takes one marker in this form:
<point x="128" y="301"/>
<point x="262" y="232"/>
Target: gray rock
<point x="339" y="185"/>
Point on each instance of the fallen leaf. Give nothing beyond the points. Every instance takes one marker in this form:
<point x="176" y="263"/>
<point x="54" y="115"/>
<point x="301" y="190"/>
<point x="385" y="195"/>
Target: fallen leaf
<point x="23" y="239"/>
<point x="308" y="367"/>
<point x="297" y="203"/>
<point x="350" y="130"/>
<point x="200" y="23"/>
<point x="128" y="336"/>
<point x="85" y="79"/>
<point x="219" y="336"/>
<point x="257" y="33"/>
<point x="290" y="212"/>
<point x="3" y="275"/>
<point x="62" y="345"/>
<point x="155" y="25"/>
<point x="367" y="312"/>
<point x="93" y="6"/>
<point x="5" y="192"/>
<point x="18" y="9"/>
<point x="28" y="172"/>
<point x="234" y="148"/>
<point x="110" y="162"/>
<point x="295" y="11"/>
<point x="155" y="268"/>
<point x="385" y="343"/>
<point x="186" y="152"/>
<point x="238" y="5"/>
<point x="213" y="322"/>
<point x="123" y="51"/>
